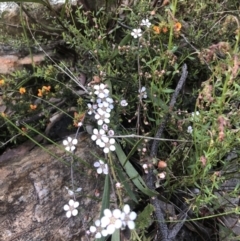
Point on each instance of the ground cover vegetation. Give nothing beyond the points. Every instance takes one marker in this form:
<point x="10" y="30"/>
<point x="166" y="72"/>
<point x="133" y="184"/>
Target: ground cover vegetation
<point x="156" y="86"/>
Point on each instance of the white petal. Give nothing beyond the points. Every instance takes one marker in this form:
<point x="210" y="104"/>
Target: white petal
<point x="69" y="139"/>
<point x="102" y="144"/>
<point x="92" y="229"/>
<point x="112" y="148"/>
<point x="104" y="233"/>
<point x="101" y="131"/>
<point x="67" y="148"/>
<point x="101" y="95"/>
<point x="99" y="142"/>
<point x="111" y="229"/>
<point x="74" y="141"/>
<point x="66" y="207"/>
<point x="99" y="170"/>
<point x="96" y="164"/>
<point x="143" y="89"/>
<point x="97" y="116"/>
<point x="74" y="212"/>
<point x="116" y="213"/>
<point x="76" y="204"/>
<point x="72" y="148"/>
<point x="95" y="131"/>
<point x="126" y="209"/>
<point x="100" y="122"/>
<point x="71" y="202"/>
<point x="94" y="137"/>
<point x="79" y="189"/>
<point x="101" y="162"/>
<point x="105" y="139"/>
<point x="69" y="214"/>
<point x="118" y="223"/>
<point x="104" y="221"/>
<point x="97" y="223"/>
<point x="107" y="212"/>
<point x="131" y="224"/>
<point x="132" y="215"/>
<point x="106" y="150"/>
<point x="70" y="192"/>
<point x="107" y="121"/>
<point x="112" y="141"/>
<point x="65" y="142"/>
<point x="98" y="235"/>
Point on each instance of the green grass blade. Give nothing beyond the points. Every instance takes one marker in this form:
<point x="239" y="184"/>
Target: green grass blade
<point x="127" y="188"/>
<point x="132" y="173"/>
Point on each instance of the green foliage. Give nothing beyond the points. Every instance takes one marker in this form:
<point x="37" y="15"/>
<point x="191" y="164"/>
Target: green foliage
<point x="205" y="35"/>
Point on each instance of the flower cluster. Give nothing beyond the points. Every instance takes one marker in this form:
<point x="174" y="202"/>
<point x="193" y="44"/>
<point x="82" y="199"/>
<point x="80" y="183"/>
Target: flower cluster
<point x="113" y="220"/>
<point x="101" y="109"/>
<point x="44" y="90"/>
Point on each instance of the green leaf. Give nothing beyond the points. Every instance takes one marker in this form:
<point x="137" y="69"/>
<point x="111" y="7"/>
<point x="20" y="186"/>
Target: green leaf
<point x="106" y="195"/>
<point x="132" y="173"/>
<point x="144" y="219"/>
<point x="126" y="185"/>
<point x="116" y="235"/>
<point x="132" y="151"/>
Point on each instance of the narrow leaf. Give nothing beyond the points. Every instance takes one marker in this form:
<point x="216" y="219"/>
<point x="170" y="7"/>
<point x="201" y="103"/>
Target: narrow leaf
<point x="132" y="173"/>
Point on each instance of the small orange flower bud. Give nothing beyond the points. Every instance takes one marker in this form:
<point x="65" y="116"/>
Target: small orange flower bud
<point x="178" y="26"/>
<point x="40" y="93"/>
<point x="2" y="82"/>
<point x="33" y="107"/>
<point x="165" y="29"/>
<point x="47" y="88"/>
<point x="22" y="90"/>
<point x="162" y="164"/>
<point x="156" y="30"/>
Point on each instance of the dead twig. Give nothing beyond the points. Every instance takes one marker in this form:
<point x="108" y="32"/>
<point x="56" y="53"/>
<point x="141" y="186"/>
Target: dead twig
<point x="163" y="232"/>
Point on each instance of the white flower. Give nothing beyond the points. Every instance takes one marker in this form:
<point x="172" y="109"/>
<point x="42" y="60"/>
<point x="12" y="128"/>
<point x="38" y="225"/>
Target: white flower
<point x="162" y="175"/>
<point x="101" y="91"/>
<point x="123" y="103"/>
<point x="102" y="117"/>
<point x="99" y="136"/>
<point x="136" y="33"/>
<point x="111" y="220"/>
<point x="145" y="22"/>
<point x="70" y="144"/>
<point x="189" y="130"/>
<point x="71" y="208"/>
<point x="127" y="217"/>
<point x="70" y="192"/>
<point x="195" y="113"/>
<point x="195" y="116"/>
<point x="143" y="92"/>
<point x="91" y="108"/>
<point x="80" y="124"/>
<point x="98" y="230"/>
<point x="101" y="167"/>
<point x="118" y="185"/>
<point x="109" y="145"/>
<point x="145" y="167"/>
